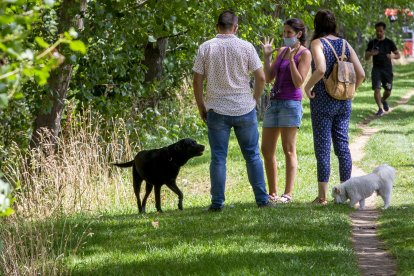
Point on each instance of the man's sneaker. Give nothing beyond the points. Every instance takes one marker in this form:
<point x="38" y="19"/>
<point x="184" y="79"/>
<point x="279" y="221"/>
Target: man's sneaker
<point x="214" y="209"/>
<point x="269" y="204"/>
<point x="385" y="105"/>
<point x="380" y="112"/>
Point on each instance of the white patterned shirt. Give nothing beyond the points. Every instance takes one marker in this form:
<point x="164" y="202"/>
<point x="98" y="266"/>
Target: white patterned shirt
<point x="226" y="61"/>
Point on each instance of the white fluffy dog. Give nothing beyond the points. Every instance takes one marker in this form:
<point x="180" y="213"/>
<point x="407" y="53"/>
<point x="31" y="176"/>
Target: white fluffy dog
<point x="357" y="189"/>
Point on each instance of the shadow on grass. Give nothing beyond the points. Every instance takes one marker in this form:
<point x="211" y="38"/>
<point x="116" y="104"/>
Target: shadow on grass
<point x="240" y="263"/>
<point x="295" y="239"/>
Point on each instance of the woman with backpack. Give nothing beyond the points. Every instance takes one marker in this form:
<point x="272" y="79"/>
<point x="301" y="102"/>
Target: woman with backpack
<point x="330" y="117"/>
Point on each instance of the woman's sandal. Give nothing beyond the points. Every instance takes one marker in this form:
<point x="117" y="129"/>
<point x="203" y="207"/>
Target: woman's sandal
<point x="320" y="201"/>
<point x="285" y="198"/>
<point x="274" y="198"/>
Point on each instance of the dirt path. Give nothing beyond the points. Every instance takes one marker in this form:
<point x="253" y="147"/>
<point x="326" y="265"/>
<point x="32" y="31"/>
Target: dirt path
<point x="370" y="251"/>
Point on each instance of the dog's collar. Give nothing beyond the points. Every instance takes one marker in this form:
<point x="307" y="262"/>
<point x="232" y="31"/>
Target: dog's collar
<point x="171" y="159"/>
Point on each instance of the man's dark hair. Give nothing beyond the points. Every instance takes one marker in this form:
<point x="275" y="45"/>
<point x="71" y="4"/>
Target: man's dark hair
<point x="324" y="24"/>
<point x="227" y="19"/>
<point x="381" y="24"/>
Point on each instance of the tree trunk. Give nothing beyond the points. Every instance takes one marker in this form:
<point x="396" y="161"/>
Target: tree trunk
<point x="154" y="59"/>
<point x="47" y="124"/>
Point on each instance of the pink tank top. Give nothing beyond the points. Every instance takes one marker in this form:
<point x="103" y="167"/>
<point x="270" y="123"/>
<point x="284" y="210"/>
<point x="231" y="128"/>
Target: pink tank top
<point x="283" y="88"/>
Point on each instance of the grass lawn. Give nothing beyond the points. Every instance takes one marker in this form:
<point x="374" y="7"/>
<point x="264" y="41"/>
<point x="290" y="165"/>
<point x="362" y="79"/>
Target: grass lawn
<point x="298" y="239"/>
<point x="293" y="239"/>
<point x="394" y="145"/>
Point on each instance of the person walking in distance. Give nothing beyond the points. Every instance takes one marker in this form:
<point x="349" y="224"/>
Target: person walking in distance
<point x="382" y="50"/>
<point x="284" y="113"/>
<point x="225" y="63"/>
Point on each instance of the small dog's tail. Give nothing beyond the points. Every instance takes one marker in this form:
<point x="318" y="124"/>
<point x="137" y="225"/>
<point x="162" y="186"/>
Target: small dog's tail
<point x="124" y="165"/>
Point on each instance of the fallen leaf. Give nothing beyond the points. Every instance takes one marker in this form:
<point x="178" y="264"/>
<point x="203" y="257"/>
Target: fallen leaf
<point x="155" y="224"/>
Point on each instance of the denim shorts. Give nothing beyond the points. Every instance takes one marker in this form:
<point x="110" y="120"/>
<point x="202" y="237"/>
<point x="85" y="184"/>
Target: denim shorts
<point x="283" y="113"/>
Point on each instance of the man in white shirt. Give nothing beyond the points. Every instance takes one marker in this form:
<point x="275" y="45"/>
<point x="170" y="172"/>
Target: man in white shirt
<point x="225" y="63"/>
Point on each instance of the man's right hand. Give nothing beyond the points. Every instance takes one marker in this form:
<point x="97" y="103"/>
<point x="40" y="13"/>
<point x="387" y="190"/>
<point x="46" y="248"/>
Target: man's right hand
<point x="203" y="114"/>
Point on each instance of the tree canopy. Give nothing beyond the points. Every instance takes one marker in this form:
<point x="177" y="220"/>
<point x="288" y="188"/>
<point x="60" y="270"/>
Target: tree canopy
<point x="122" y="57"/>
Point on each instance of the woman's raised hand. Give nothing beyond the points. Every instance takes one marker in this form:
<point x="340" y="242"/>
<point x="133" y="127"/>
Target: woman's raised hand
<point x="267" y="46"/>
<point x="293" y="51"/>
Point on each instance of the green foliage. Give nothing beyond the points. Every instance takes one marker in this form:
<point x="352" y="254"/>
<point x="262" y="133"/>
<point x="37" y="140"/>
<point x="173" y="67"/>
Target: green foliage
<point x="29" y="41"/>
<point x="156" y="126"/>
<point x="357" y="19"/>
<point x="21" y="59"/>
<point x="118" y="34"/>
<point x="6" y="199"/>
<point x="110" y="76"/>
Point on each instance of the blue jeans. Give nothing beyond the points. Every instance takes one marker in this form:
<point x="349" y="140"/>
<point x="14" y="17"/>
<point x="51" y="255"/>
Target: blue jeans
<point x="245" y="128"/>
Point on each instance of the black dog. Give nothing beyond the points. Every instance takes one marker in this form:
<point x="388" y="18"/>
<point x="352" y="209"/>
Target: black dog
<point x="161" y="166"/>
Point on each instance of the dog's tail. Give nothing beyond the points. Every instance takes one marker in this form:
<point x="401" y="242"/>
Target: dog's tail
<point x="124" y="165"/>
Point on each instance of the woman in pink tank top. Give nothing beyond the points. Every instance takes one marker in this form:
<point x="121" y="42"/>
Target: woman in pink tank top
<point x="284" y="113"/>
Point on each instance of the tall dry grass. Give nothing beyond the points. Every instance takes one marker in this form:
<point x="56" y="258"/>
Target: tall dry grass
<point x="53" y="185"/>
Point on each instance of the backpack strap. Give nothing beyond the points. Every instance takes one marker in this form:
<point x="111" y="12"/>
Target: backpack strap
<point x="343" y="56"/>
<point x="330" y="45"/>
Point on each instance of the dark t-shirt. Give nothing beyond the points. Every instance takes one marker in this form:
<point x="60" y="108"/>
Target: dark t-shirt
<point x="385" y="46"/>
